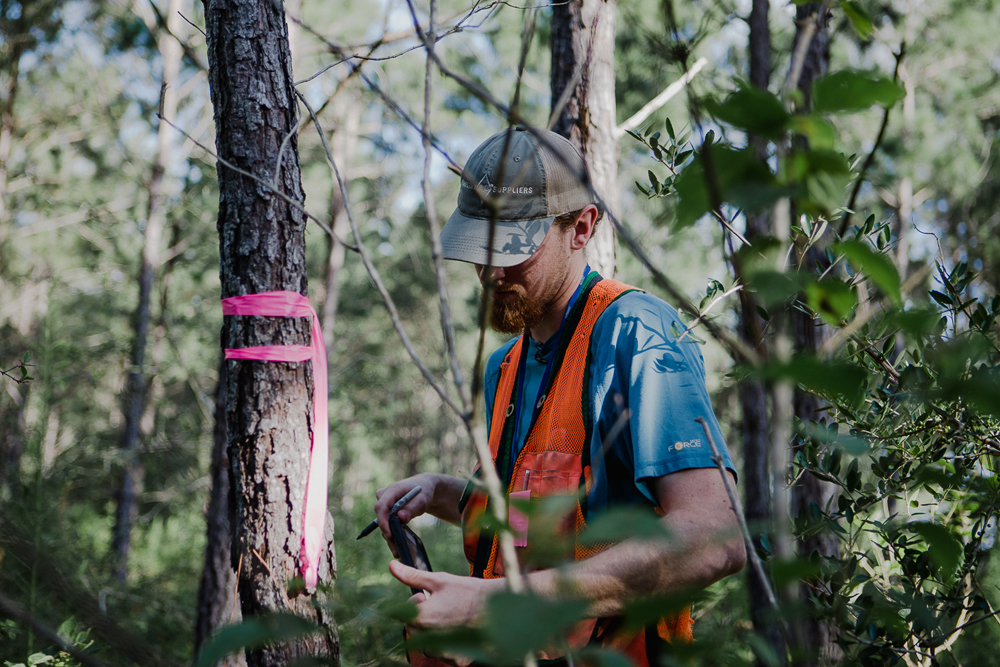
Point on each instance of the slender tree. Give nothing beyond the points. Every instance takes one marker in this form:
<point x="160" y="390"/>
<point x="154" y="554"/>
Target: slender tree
<point x="262" y="247"/>
<point x="583" y="72"/>
<point x="136" y="382"/>
<point x="815" y="634"/>
<point x="755" y="422"/>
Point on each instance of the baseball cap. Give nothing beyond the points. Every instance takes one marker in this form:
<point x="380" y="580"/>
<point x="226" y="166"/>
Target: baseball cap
<point x="523" y="178"/>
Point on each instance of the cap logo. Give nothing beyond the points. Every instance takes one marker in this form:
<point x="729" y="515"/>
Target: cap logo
<point x="485" y="187"/>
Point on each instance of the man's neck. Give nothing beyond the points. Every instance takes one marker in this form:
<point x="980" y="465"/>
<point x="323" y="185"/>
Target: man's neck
<point x="553" y="318"/>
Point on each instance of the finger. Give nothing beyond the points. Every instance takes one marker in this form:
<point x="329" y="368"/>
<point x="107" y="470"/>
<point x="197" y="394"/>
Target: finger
<point x="412" y="577"/>
<point x="379" y="492"/>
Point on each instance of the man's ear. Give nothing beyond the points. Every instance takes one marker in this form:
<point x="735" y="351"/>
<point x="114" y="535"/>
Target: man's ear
<point x="583" y="228"/>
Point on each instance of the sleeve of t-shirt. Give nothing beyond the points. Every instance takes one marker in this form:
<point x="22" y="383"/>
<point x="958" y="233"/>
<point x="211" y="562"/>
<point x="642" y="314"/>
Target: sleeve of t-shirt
<point x="661" y="377"/>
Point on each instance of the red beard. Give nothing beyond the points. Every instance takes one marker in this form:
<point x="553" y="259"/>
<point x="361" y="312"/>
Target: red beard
<point x="515" y="313"/>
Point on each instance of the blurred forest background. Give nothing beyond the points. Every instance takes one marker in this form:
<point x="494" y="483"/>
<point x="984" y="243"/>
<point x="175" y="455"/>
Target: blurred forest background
<point x="108" y="227"/>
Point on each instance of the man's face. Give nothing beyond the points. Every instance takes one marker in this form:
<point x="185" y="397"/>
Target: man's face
<point x="523" y="294"/>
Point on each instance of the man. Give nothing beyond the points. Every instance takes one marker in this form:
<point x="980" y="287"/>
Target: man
<point x="596" y="399"/>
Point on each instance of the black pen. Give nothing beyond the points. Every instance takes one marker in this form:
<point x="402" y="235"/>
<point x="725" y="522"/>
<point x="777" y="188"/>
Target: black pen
<point x="398" y="505"/>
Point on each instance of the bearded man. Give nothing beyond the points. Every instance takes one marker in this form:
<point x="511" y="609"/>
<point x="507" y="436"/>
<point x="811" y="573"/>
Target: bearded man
<point x="596" y="399"/>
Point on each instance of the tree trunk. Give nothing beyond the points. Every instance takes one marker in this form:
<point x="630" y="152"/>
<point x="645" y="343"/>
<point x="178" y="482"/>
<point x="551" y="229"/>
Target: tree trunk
<point x="816" y="635"/>
<point x="344" y="144"/>
<point x="583" y="36"/>
<point x="134" y="395"/>
<point x="262" y="247"/>
<point x="217" y="606"/>
<point x="756" y="423"/>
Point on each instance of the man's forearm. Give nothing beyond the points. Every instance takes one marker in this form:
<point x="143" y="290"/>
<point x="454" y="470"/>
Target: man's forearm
<point x="447" y="494"/>
<point x="694" y="558"/>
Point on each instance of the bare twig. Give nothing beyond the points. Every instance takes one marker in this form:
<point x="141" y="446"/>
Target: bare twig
<point x="801" y="49"/>
<point x="668" y="93"/>
<point x="704" y="312"/>
<point x="270" y="185"/>
<point x="870" y="159"/>
<point x="373" y="273"/>
<point x="744" y="529"/>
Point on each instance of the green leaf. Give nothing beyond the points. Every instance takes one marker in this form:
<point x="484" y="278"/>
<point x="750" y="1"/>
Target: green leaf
<point x="849" y="90"/>
<point x="832" y="298"/>
<point x="670" y="131"/>
<point x="463" y="641"/>
<point x="793" y="570"/>
<point x="253" y="633"/>
<point x="738" y="176"/>
<point x="858" y="18"/>
<point x="877" y="267"/>
<point x="818" y="130"/>
<point x="836" y="378"/>
<point x="851" y="444"/>
<point x="774" y="287"/>
<point x="28" y="356"/>
<point x="943" y="547"/>
<point x="752" y="109"/>
<point x="517" y="624"/>
<point x="602" y="657"/>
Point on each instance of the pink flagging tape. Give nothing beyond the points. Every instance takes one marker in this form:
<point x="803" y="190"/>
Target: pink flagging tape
<point x="293" y="304"/>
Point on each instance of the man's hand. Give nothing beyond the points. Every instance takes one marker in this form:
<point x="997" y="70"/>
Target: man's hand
<point x="450" y="600"/>
<point x="439" y="496"/>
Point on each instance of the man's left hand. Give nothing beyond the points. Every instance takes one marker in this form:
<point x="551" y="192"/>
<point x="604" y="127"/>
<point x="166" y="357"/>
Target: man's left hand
<point x="450" y="600"/>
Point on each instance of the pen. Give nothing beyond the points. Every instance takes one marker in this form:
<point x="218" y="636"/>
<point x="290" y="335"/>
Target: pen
<point x="398" y="505"/>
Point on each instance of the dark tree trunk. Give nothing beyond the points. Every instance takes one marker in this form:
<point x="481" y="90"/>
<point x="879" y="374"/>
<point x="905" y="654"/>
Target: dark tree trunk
<point x="756" y="423"/>
<point x="217" y="605"/>
<point x="817" y="636"/>
<point x="262" y="246"/>
<point x="583" y="36"/>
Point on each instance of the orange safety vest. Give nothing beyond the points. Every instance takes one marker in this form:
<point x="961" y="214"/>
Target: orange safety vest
<point x="555" y="461"/>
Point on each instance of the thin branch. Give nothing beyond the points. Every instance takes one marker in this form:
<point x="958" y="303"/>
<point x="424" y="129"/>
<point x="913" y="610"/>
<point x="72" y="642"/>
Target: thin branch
<point x="870" y="159"/>
<point x="703" y="313"/>
<point x="373" y="273"/>
<point x="735" y="346"/>
<point x="744" y="529"/>
<point x="270" y="185"/>
<point x="668" y="93"/>
<point x="801" y="50"/>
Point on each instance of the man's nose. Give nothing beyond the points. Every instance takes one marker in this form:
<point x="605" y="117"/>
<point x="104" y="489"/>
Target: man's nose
<point x="497" y="273"/>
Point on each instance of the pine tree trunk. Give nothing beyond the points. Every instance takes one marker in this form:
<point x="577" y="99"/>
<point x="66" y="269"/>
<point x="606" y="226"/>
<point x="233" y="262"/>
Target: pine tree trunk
<point x="217" y="604"/>
<point x="756" y="423"/>
<point x="817" y="636"/>
<point x="262" y="247"/>
<point x="583" y="36"/>
<point x="134" y="394"/>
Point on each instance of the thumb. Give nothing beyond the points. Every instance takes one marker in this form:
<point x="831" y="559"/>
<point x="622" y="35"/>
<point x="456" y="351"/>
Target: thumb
<point x="411" y="576"/>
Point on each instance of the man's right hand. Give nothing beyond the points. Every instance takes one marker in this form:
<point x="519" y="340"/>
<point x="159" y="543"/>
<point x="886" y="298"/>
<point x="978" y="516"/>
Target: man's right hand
<point x="439" y="496"/>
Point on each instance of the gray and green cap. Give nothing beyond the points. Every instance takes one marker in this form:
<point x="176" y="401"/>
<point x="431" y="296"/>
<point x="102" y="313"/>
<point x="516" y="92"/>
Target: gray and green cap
<point x="523" y="178"/>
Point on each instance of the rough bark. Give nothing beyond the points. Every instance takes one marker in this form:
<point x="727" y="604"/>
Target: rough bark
<point x="583" y="36"/>
<point x="217" y="605"/>
<point x="134" y="394"/>
<point x="262" y="247"/>
<point x="817" y="636"/>
<point x="756" y="423"/>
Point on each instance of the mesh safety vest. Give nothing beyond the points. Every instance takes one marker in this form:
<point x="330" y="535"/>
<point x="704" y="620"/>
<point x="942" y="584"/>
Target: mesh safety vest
<point x="555" y="461"/>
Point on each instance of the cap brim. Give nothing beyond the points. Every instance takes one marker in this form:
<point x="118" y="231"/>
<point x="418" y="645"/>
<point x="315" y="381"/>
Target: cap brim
<point x="467" y="239"/>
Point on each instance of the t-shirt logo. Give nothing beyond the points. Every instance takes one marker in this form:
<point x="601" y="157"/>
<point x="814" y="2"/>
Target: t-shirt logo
<point x="690" y="444"/>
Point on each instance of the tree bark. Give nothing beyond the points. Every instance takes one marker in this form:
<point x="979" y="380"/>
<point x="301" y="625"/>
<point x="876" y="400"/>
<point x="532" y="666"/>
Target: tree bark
<point x="134" y="394"/>
<point x="817" y="636"/>
<point x="217" y="604"/>
<point x="262" y="247"/>
<point x="583" y="36"/>
<point x="756" y="423"/>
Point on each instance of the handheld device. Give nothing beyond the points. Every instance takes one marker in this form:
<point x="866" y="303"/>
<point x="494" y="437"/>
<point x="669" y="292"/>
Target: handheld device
<point x="411" y="549"/>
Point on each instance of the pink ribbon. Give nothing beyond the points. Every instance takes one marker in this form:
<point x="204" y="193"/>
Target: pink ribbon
<point x="293" y="304"/>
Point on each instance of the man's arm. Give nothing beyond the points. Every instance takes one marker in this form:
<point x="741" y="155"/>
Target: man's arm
<point x="705" y="547"/>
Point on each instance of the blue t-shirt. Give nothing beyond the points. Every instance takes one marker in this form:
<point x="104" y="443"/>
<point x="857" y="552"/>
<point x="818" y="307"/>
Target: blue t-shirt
<point x="636" y="362"/>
